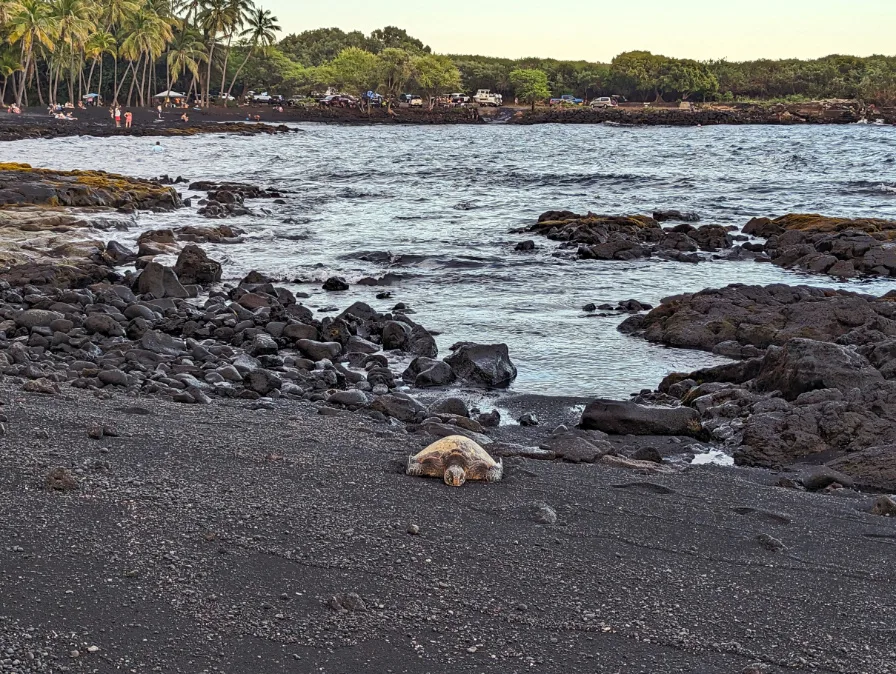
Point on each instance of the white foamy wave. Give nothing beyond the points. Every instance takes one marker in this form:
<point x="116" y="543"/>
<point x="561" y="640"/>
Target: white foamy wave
<point x="889" y="189"/>
<point x="263" y="234"/>
<point x="713" y="456"/>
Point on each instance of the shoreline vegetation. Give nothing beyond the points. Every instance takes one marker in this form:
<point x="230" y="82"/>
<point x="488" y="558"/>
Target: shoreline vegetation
<point x="209" y="53"/>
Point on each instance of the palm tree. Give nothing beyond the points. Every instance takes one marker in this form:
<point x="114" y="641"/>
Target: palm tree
<point x="31" y="24"/>
<point x="116" y="13"/>
<point x="185" y="54"/>
<point x="261" y="31"/>
<point x="214" y="19"/>
<point x="9" y="64"/>
<point x="7" y="9"/>
<point x="96" y="47"/>
<point x="74" y="22"/>
<point x="238" y="12"/>
<point x="146" y="34"/>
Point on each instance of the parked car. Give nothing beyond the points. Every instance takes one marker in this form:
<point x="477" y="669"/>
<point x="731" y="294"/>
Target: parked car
<point x="411" y="100"/>
<point x="373" y="99"/>
<point x="458" y="99"/>
<point x="566" y="99"/>
<point x="339" y="101"/>
<point x="604" y="102"/>
<point x="486" y="98"/>
<point x="263" y="97"/>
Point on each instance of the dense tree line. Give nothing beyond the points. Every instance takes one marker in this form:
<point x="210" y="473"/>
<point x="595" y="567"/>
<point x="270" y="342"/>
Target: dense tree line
<point x="636" y="75"/>
<point x="60" y="50"/>
<point x="127" y="50"/>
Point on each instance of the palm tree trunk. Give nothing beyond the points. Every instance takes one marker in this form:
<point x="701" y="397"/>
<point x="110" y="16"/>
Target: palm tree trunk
<point x="224" y="69"/>
<point x="238" y="71"/>
<point x="90" y="76"/>
<point x="142" y="92"/>
<point x="21" y="88"/>
<point x="40" y="93"/>
<point x="124" y="77"/>
<point x="3" y="93"/>
<point x="208" y="78"/>
<point x="116" y="91"/>
<point x="71" y="81"/>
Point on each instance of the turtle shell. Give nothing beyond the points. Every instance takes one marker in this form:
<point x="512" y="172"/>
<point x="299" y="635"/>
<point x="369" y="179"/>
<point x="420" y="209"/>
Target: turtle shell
<point x="454" y="450"/>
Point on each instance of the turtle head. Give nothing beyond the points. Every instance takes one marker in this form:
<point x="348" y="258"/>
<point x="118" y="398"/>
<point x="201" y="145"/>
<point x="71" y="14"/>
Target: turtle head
<point x="455" y="476"/>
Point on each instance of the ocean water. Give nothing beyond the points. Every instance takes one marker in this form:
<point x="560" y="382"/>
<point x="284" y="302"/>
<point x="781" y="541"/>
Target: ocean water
<point x="434" y="206"/>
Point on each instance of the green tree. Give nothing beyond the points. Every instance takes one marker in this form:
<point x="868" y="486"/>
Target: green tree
<point x="9" y="65"/>
<point x="435" y="75"/>
<point x="530" y="85"/>
<point x="320" y="46"/>
<point x="391" y="37"/>
<point x="238" y="12"/>
<point x="879" y="84"/>
<point x="394" y="67"/>
<point x="260" y="33"/>
<point x="185" y="54"/>
<point x="687" y="77"/>
<point x="354" y="70"/>
<point x="638" y="73"/>
<point x="215" y="19"/>
<point x="31" y="24"/>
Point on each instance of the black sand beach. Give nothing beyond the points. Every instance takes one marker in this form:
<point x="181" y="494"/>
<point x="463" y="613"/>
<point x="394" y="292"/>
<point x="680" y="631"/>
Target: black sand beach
<point x="213" y="538"/>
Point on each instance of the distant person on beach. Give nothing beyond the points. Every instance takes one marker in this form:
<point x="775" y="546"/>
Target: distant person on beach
<point x="184" y="118"/>
<point x="159" y="109"/>
<point x="117" y="117"/>
<point x="128" y="119"/>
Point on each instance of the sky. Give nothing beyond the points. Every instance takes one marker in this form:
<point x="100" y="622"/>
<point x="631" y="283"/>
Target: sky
<point x="597" y="31"/>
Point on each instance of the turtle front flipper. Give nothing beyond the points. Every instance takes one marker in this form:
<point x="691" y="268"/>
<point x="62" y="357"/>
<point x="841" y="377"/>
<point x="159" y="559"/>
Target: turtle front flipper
<point x="414" y="467"/>
<point x="494" y="473"/>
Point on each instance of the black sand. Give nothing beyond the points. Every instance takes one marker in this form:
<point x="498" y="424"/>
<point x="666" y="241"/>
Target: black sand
<point x="211" y="538"/>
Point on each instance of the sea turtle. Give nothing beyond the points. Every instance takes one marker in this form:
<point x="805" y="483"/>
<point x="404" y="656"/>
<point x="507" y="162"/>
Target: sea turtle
<point x="455" y="459"/>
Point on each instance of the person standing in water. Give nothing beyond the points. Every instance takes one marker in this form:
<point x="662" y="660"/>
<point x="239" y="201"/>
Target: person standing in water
<point x="157" y="147"/>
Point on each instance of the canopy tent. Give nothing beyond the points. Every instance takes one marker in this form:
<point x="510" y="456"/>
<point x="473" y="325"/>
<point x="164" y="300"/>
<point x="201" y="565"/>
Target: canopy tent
<point x="169" y="94"/>
<point x="90" y="96"/>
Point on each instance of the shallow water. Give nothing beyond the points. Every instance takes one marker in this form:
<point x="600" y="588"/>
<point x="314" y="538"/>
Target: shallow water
<point x="442" y="199"/>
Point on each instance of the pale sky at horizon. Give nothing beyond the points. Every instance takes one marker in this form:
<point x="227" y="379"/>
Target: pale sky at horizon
<point x="581" y="29"/>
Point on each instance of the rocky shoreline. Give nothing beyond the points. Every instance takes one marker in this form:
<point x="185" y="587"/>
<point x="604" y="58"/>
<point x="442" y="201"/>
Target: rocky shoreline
<point x="95" y="121"/>
<point x="257" y="441"/>
<point x="33" y="126"/>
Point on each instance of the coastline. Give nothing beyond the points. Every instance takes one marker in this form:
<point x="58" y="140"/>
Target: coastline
<point x="36" y="123"/>
<point x="239" y="514"/>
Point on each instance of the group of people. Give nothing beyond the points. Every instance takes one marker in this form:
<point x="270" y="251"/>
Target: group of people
<point x="115" y="113"/>
<point x="14" y="109"/>
<point x="64" y="110"/>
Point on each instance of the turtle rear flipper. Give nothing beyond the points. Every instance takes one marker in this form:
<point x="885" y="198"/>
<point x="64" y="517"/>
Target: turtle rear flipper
<point x="414" y="467"/>
<point x="495" y="472"/>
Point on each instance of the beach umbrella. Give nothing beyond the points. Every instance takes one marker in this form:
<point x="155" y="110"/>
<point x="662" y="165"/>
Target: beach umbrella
<point x="169" y="94"/>
<point x="90" y="96"/>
